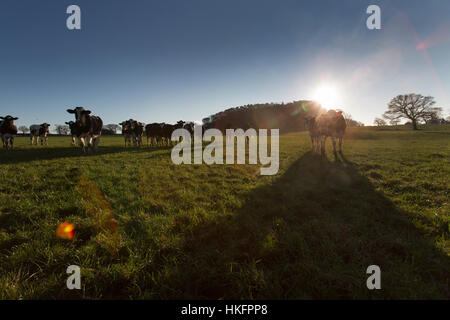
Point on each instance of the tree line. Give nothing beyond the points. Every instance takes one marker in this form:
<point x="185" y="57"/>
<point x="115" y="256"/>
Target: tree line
<point x="287" y="117"/>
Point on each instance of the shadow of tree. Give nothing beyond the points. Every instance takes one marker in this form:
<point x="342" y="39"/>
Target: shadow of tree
<point x="311" y="235"/>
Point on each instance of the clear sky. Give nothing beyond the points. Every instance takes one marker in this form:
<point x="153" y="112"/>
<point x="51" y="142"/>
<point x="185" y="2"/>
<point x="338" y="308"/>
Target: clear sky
<point x="168" y="60"/>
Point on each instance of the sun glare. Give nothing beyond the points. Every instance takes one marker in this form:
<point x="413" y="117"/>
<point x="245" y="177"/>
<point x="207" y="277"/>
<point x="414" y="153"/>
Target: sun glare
<point x="327" y="96"/>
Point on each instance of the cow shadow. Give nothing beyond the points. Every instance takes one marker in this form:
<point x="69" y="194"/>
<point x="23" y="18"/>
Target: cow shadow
<point x="20" y="155"/>
<point x="311" y="234"/>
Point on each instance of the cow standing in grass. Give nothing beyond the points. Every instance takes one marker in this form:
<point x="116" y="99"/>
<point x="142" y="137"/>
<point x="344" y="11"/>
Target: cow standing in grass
<point x="88" y="128"/>
<point x="8" y="131"/>
<point x="331" y="124"/>
<point x="153" y="131"/>
<point x="311" y="125"/>
<point x="167" y="130"/>
<point x="137" y="131"/>
<point x="39" y="131"/>
<point x="73" y="131"/>
<point x="126" y="131"/>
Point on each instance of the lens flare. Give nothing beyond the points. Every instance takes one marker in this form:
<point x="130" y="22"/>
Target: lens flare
<point x="66" y="230"/>
<point x="327" y="95"/>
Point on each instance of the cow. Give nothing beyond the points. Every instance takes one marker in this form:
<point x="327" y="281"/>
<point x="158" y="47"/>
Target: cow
<point x="189" y="126"/>
<point x="167" y="130"/>
<point x="126" y="131"/>
<point x="8" y="131"/>
<point x="137" y="131"/>
<point x="73" y="131"/>
<point x="153" y="131"/>
<point x="311" y="125"/>
<point x="331" y="124"/>
<point x="88" y="127"/>
<point x="39" y="131"/>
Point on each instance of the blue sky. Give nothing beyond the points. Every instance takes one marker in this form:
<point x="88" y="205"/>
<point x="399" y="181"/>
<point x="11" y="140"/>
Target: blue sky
<point x="168" y="60"/>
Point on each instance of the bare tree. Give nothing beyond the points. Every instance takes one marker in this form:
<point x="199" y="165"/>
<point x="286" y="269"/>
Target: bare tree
<point x="412" y="106"/>
<point x="24" y="129"/>
<point x="393" y="120"/>
<point x="112" y="127"/>
<point x="62" y="129"/>
<point x="350" y="121"/>
<point x="379" y="122"/>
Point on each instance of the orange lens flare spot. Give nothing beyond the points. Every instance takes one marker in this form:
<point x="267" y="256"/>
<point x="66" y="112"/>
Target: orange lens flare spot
<point x="66" y="230"/>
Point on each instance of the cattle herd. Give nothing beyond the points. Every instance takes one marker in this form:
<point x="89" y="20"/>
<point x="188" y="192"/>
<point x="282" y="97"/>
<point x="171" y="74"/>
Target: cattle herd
<point x="87" y="129"/>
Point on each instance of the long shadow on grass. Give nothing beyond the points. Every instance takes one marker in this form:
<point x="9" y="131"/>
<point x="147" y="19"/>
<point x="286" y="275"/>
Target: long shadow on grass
<point x="311" y="235"/>
<point x="50" y="153"/>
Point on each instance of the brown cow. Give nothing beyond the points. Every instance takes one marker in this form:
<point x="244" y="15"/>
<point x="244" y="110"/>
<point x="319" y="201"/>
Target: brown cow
<point x="137" y="131"/>
<point x="311" y="125"/>
<point x="331" y="124"/>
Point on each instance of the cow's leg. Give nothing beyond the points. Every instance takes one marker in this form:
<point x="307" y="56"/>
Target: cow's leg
<point x="90" y="142"/>
<point x="11" y="141"/>
<point x="340" y="144"/>
<point x="96" y="142"/>
<point x="46" y="140"/>
<point x="333" y="139"/>
<point x="82" y="143"/>
<point x="322" y="144"/>
<point x="31" y="139"/>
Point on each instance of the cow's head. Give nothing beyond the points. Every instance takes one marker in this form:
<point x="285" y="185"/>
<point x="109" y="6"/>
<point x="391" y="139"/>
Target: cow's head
<point x="8" y="120"/>
<point x="45" y="126"/>
<point x="179" y="124"/>
<point x="80" y="115"/>
<point x="125" y="125"/>
<point x="132" y="124"/>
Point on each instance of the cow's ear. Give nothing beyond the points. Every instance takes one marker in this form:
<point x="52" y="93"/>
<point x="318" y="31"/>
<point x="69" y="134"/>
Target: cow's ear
<point x="70" y="111"/>
<point x="86" y="112"/>
<point x="66" y="122"/>
<point x="2" y="118"/>
<point x="15" y="118"/>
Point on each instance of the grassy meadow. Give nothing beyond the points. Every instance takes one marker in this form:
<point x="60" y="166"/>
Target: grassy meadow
<point x="149" y="229"/>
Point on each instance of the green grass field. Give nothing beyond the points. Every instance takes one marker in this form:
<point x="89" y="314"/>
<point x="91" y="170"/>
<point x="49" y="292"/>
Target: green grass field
<point x="148" y="229"/>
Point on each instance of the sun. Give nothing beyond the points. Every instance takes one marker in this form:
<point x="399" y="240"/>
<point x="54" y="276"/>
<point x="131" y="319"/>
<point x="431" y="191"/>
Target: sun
<point x="327" y="96"/>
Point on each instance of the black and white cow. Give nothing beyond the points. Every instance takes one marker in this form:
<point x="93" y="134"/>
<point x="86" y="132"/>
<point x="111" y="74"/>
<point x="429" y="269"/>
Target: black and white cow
<point x="73" y="131"/>
<point x="39" y="131"/>
<point x="87" y="127"/>
<point x="8" y="131"/>
<point x="126" y="131"/>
